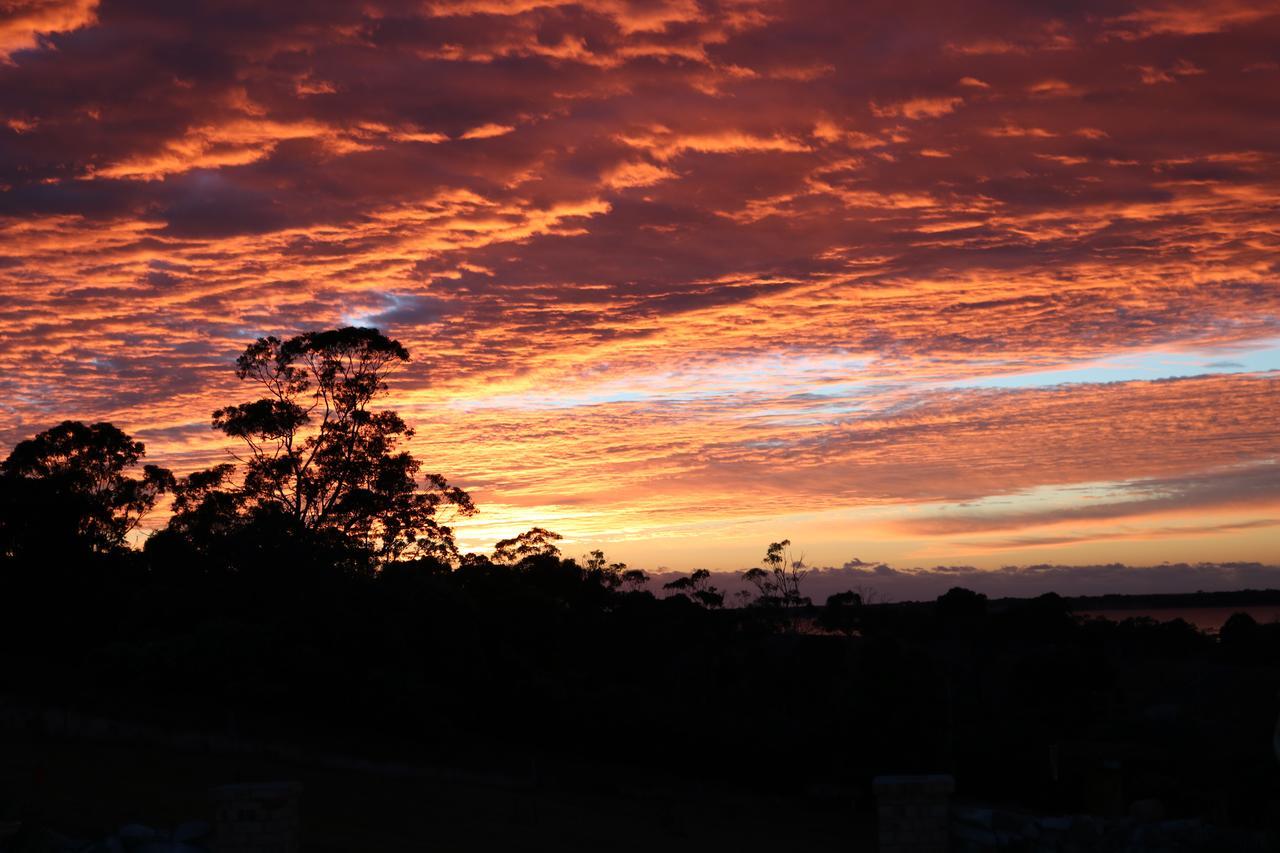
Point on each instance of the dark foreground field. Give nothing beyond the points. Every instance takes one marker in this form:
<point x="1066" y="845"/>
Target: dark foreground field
<point x="538" y="703"/>
<point x="88" y="790"/>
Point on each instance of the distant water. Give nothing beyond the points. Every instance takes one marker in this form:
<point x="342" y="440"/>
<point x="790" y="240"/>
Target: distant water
<point x="1204" y="618"/>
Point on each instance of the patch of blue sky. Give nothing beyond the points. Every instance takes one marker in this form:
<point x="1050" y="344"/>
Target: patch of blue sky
<point x="1262" y="357"/>
<point x="822" y="377"/>
<point x="1042" y="504"/>
<point x="803" y="389"/>
<point x="1042" y="498"/>
<point x="808" y="411"/>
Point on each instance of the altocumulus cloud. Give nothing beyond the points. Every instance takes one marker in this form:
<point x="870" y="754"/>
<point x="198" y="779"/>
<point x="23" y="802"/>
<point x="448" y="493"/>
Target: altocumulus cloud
<point x="608" y="201"/>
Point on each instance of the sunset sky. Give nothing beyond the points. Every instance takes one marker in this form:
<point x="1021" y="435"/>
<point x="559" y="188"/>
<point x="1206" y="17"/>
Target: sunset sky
<point x="981" y="283"/>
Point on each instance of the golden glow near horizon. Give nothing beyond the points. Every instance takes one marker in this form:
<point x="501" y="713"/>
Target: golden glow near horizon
<point x="914" y="284"/>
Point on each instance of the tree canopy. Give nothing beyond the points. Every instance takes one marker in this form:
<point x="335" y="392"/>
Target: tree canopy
<point x="68" y="490"/>
<point x="534" y="542"/>
<point x="778" y="582"/>
<point x="317" y="457"/>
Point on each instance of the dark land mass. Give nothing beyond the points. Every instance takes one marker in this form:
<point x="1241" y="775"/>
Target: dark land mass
<point x="569" y="710"/>
<point x="89" y="789"/>
<point x="1168" y="601"/>
<point x="1175" y="600"/>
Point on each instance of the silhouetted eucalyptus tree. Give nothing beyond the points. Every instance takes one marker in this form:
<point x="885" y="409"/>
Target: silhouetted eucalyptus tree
<point x="843" y="612"/>
<point x="778" y="582"/>
<point x="319" y="458"/>
<point x="960" y="610"/>
<point x="66" y="490"/>
<point x="534" y="542"/>
<point x="697" y="587"/>
<point x="635" y="579"/>
<point x="608" y="575"/>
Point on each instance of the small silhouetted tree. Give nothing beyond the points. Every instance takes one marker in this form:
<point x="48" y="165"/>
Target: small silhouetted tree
<point x="778" y="582"/>
<point x="697" y="588"/>
<point x="319" y="458"/>
<point x="68" y="490"/>
<point x="635" y="580"/>
<point x="206" y="504"/>
<point x="1044" y="619"/>
<point x="960" y="610"/>
<point x="600" y="570"/>
<point x="534" y="542"/>
<point x="1240" y="636"/>
<point x="842" y="612"/>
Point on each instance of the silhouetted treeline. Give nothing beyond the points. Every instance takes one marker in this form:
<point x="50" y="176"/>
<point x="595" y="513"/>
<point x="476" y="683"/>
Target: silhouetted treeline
<point x="319" y="595"/>
<point x="497" y="662"/>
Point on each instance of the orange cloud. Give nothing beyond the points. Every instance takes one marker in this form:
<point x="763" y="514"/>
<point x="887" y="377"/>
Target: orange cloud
<point x="22" y="22"/>
<point x="488" y="131"/>
<point x="1190" y="19"/>
<point x="917" y="108"/>
<point x="664" y="144"/>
